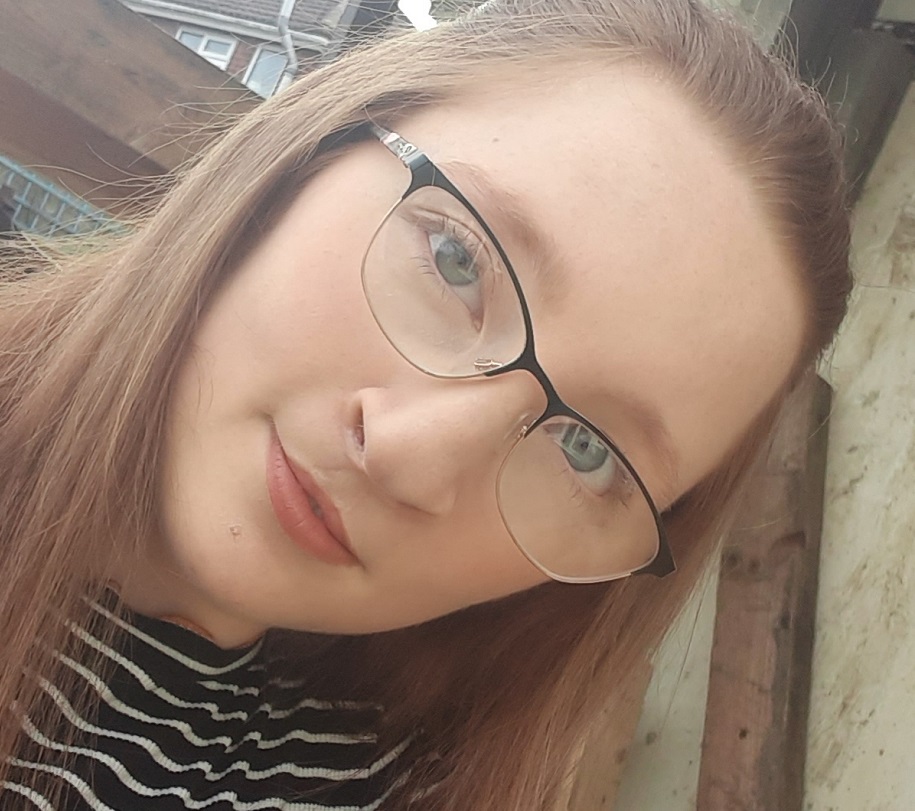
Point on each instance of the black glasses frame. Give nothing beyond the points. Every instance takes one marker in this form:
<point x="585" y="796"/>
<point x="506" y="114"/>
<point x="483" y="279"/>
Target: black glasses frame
<point x="424" y="173"/>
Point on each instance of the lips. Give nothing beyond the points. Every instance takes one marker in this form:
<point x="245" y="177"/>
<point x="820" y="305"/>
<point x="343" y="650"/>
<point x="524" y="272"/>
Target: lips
<point x="304" y="510"/>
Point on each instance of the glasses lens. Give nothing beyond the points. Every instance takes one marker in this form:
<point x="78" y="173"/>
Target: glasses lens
<point x="573" y="507"/>
<point x="439" y="290"/>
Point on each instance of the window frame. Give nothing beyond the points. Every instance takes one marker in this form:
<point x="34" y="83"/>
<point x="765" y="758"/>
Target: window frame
<point x="207" y="36"/>
<point x="270" y="48"/>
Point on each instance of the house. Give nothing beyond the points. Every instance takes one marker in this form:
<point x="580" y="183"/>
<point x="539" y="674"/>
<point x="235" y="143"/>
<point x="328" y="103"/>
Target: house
<point x="246" y="38"/>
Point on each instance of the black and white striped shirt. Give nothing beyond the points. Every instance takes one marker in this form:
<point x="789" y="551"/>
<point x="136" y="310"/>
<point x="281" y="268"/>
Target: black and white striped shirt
<point x="183" y="724"/>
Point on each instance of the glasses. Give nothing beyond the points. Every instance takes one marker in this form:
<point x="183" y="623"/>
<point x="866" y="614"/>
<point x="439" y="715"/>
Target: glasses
<point x="444" y="293"/>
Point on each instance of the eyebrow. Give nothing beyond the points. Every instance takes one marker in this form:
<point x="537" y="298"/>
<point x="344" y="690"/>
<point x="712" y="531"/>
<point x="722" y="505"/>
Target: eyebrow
<point x="507" y="209"/>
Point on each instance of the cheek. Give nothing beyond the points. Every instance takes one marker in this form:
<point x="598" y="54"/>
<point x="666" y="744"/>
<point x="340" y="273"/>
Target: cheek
<point x="303" y="309"/>
<point x="437" y="568"/>
<point x="284" y="320"/>
<point x="483" y="564"/>
<point x="454" y="589"/>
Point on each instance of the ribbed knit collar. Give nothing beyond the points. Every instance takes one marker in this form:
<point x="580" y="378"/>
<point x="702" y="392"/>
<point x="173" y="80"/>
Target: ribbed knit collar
<point x="172" y="645"/>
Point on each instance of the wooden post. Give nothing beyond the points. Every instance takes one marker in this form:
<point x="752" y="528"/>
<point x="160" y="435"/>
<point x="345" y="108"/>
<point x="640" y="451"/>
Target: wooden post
<point x="870" y="74"/>
<point x="816" y="24"/>
<point x="755" y="740"/>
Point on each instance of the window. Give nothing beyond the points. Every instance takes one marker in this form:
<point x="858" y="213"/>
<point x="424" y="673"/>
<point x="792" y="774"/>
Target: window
<point x="265" y="71"/>
<point x="215" y="49"/>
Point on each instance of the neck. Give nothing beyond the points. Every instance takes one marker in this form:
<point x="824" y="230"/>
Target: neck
<point x="165" y="593"/>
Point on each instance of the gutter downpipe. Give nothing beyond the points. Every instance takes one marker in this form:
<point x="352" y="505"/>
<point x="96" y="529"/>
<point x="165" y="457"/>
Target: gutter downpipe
<point x="292" y="58"/>
<point x="341" y="29"/>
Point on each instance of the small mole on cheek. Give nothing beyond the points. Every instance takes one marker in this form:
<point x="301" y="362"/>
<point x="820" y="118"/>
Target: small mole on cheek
<point x="235" y="530"/>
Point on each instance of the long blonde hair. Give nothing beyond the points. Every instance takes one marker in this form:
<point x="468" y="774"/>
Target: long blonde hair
<point x="91" y="340"/>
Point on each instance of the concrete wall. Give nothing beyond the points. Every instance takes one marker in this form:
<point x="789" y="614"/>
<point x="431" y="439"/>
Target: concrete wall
<point x="862" y="724"/>
<point x="862" y="745"/>
<point x="662" y="769"/>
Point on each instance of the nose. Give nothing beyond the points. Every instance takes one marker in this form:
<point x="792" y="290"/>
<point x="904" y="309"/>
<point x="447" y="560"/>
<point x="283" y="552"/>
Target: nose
<point x="426" y="445"/>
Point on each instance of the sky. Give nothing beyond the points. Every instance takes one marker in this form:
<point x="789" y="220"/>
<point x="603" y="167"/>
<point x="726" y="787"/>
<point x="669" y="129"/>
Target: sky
<point x="418" y="13"/>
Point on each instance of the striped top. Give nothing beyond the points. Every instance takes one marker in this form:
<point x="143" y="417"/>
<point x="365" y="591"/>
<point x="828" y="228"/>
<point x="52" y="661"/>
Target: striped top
<point x="184" y="724"/>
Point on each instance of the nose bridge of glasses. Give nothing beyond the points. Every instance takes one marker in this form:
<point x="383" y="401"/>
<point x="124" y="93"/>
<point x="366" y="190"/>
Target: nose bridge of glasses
<point x="551" y="403"/>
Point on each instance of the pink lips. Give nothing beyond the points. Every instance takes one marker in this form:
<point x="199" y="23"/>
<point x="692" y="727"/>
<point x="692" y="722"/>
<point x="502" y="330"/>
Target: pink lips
<point x="303" y="509"/>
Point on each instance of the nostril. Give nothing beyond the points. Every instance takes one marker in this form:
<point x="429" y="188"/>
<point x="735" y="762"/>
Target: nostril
<point x="359" y="433"/>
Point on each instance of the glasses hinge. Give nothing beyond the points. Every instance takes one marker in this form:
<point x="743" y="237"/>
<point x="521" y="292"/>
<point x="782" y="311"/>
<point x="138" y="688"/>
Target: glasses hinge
<point x="486" y="364"/>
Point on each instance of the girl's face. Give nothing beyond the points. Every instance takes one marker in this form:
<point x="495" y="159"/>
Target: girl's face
<point x="656" y="289"/>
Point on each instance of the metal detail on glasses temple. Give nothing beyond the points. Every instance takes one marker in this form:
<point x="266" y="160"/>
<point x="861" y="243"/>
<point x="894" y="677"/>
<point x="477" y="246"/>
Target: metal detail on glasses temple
<point x="485" y="364"/>
<point x="398" y="145"/>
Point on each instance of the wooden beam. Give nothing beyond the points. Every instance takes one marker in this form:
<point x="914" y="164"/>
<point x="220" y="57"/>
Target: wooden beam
<point x="100" y="100"/>
<point x="870" y="73"/>
<point x="816" y="24"/>
<point x="755" y="741"/>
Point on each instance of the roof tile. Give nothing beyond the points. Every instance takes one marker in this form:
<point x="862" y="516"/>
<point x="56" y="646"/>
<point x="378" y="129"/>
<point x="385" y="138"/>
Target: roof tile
<point x="308" y="15"/>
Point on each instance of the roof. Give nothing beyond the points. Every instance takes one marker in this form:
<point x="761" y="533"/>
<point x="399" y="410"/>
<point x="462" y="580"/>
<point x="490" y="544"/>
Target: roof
<point x="308" y="15"/>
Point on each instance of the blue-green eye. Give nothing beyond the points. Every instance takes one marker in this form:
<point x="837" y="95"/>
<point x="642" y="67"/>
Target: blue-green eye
<point x="453" y="261"/>
<point x="590" y="461"/>
<point x="583" y="448"/>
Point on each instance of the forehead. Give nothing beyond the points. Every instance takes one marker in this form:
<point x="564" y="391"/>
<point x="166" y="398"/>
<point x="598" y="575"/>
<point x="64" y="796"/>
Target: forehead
<point x="655" y="272"/>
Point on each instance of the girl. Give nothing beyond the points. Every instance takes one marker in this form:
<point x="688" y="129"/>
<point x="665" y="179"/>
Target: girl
<point x="353" y="476"/>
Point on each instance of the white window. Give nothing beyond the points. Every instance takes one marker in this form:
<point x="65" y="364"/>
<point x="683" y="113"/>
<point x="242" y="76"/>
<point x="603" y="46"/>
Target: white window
<point x="215" y="49"/>
<point x="265" y="71"/>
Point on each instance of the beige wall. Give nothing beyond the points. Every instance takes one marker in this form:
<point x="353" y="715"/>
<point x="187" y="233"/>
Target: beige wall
<point x="662" y="769"/>
<point x="862" y="725"/>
